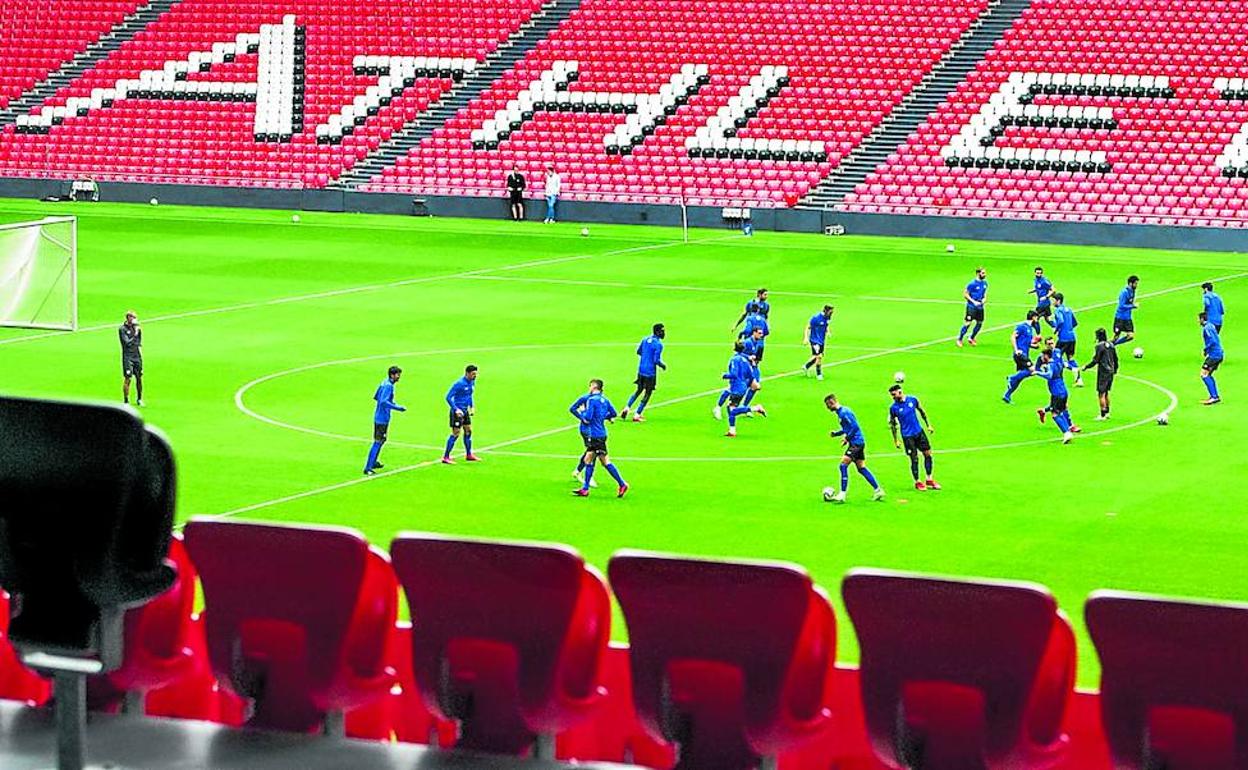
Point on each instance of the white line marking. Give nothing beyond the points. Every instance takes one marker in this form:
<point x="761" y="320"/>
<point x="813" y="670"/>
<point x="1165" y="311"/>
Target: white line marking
<point x="681" y="399"/>
<point x="364" y="288"/>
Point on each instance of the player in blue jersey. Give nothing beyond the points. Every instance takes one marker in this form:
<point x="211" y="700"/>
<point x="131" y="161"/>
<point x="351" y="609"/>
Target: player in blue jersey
<point x="975" y="294"/>
<point x="1213" y="359"/>
<point x="754" y="322"/>
<point x="1124" y="325"/>
<point x="650" y="353"/>
<point x="1064" y="323"/>
<point x="1043" y="289"/>
<point x="817" y="337"/>
<point x="1051" y="367"/>
<point x="1022" y="340"/>
<point x="855" y="445"/>
<point x="752" y="346"/>
<point x="597" y="412"/>
<point x="459" y="399"/>
<point x="381" y="418"/>
<point x="758" y="305"/>
<point x="741" y="380"/>
<point x="1213" y="306"/>
<point x="903" y="415"/>
<point x="578" y="410"/>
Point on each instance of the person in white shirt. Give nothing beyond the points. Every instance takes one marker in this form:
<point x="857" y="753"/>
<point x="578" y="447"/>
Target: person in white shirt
<point x="554" y="185"/>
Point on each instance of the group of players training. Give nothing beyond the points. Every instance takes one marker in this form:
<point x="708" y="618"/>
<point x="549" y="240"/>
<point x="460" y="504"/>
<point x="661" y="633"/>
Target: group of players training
<point x="908" y="421"/>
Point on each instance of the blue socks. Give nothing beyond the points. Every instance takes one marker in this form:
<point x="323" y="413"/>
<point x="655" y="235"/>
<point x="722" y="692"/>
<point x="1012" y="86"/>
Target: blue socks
<point x="642" y="406"/>
<point x="866" y="474"/>
<point x="450" y="444"/>
<point x="589" y="474"/>
<point x="723" y="398"/>
<point x="373" y="453"/>
<point x="975" y="332"/>
<point x="615" y="474"/>
<point x="468" y="443"/>
<point x="735" y="411"/>
<point x="748" y="398"/>
<point x="927" y="466"/>
<point x="844" y="477"/>
<point x="1014" y="380"/>
<point x="1211" y="386"/>
<point x="962" y="333"/>
<point x="1062" y="421"/>
<point x="633" y="398"/>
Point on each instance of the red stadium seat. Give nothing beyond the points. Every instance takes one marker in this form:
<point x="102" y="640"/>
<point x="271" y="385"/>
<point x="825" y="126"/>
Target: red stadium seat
<point x="1174" y="680"/>
<point x="298" y="618"/>
<point x="960" y="674"/>
<point x="732" y="661"/>
<point x="508" y="638"/>
<point x="17" y="682"/>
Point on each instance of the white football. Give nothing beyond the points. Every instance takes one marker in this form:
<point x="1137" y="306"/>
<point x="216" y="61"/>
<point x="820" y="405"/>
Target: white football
<point x="899" y="376"/>
<point x="1138" y="352"/>
<point x="828" y="494"/>
<point x="294" y="218"/>
<point x="1163" y="418"/>
<point x="585" y="232"/>
<point x="155" y="202"/>
<point x="949" y="248"/>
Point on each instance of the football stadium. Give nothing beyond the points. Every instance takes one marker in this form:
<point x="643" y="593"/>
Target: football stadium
<point x="681" y="384"/>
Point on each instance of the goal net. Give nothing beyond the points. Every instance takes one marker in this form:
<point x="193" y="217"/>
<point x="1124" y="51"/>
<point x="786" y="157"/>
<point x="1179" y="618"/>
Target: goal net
<point x="39" y="274"/>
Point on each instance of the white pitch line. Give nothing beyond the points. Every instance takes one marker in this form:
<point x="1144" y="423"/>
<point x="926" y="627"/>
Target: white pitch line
<point x="359" y="289"/>
<point x="681" y="399"/>
<point x="723" y="290"/>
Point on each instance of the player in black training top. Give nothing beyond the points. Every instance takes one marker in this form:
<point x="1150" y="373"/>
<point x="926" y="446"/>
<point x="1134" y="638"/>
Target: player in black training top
<point x="131" y="336"/>
<point x="515" y="192"/>
<point x="1105" y="359"/>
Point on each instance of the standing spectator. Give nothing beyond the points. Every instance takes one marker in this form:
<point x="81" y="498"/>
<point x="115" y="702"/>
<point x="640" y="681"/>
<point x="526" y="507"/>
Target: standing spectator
<point x="131" y="336"/>
<point x="515" y="191"/>
<point x="554" y="185"/>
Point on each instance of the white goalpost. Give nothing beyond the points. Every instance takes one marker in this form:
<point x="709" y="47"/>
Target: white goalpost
<point x="39" y="274"/>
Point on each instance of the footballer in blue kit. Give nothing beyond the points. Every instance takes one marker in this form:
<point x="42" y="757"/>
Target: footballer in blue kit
<point x="650" y="355"/>
<point x="1043" y="289"/>
<point x="1052" y="368"/>
<point x="817" y="337"/>
<point x="1124" y="324"/>
<point x="975" y="294"/>
<point x="904" y="414"/>
<point x="759" y="305"/>
<point x="1213" y="358"/>
<point x="752" y="346"/>
<point x="741" y="381"/>
<point x="578" y="411"/>
<point x="384" y="396"/>
<point x="594" y="416"/>
<point x="459" y="399"/>
<point x="1064" y="323"/>
<point x="855" y="444"/>
<point x="1214" y="309"/>
<point x="1022" y="340"/>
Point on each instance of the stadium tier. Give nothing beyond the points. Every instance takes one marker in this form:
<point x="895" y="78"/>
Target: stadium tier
<point x="1101" y="111"/>
<point x="37" y="36"/>
<point x="723" y="102"/>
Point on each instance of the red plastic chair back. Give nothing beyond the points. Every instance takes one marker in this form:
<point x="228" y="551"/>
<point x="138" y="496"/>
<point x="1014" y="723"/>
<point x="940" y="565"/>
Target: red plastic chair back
<point x="959" y="674"/>
<point x="731" y="660"/>
<point x="297" y="617"/>
<point x="17" y="682"/>
<point x="507" y="637"/>
<point x="1174" y="680"/>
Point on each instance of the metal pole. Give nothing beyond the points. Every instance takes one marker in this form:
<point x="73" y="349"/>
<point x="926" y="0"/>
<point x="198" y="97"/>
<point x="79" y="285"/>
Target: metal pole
<point x="71" y="720"/>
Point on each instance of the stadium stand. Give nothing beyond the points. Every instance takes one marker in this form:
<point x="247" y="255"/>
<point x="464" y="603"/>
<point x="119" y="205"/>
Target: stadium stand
<point x="959" y="673"/>
<point x="745" y="101"/>
<point x="38" y="36"/>
<point x="1100" y="111"/>
<point x="731" y="661"/>
<point x="286" y="93"/>
<point x="510" y="638"/>
<point x="1173" y="680"/>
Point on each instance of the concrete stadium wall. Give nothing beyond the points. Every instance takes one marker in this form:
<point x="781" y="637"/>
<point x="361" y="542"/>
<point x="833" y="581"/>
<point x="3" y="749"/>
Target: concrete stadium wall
<point x="786" y="220"/>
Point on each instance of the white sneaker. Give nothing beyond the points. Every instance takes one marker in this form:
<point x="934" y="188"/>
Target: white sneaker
<point x="732" y="430"/>
<point x="839" y="497"/>
<point x="1067" y="437"/>
<point x="718" y="412"/>
<point x="878" y="494"/>
<point x="819" y="377"/>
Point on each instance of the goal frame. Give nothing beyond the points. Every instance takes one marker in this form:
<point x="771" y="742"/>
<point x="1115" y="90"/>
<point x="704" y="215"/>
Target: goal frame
<point x="72" y="246"/>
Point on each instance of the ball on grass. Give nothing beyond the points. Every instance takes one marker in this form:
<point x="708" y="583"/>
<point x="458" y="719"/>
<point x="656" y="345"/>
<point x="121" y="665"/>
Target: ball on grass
<point x="1138" y="352"/>
<point x="949" y="248"/>
<point x="1163" y="418"/>
<point x="899" y="376"/>
<point x="828" y="494"/>
<point x="154" y="202"/>
<point x="584" y="232"/>
<point x="294" y="218"/>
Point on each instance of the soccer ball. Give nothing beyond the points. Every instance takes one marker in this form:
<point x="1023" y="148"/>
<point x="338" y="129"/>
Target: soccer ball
<point x="899" y="376"/>
<point x="584" y="232"/>
<point x="1163" y="418"/>
<point x="294" y="218"/>
<point x="828" y="494"/>
<point x="1138" y="352"/>
<point x="154" y="202"/>
<point x="949" y="248"/>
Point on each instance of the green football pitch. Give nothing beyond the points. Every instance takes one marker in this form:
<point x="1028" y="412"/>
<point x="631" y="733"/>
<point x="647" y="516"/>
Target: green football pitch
<point x="265" y="339"/>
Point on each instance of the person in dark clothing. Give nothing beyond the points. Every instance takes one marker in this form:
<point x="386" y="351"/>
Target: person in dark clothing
<point x="515" y="192"/>
<point x="131" y="336"/>
<point x="1105" y="360"/>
